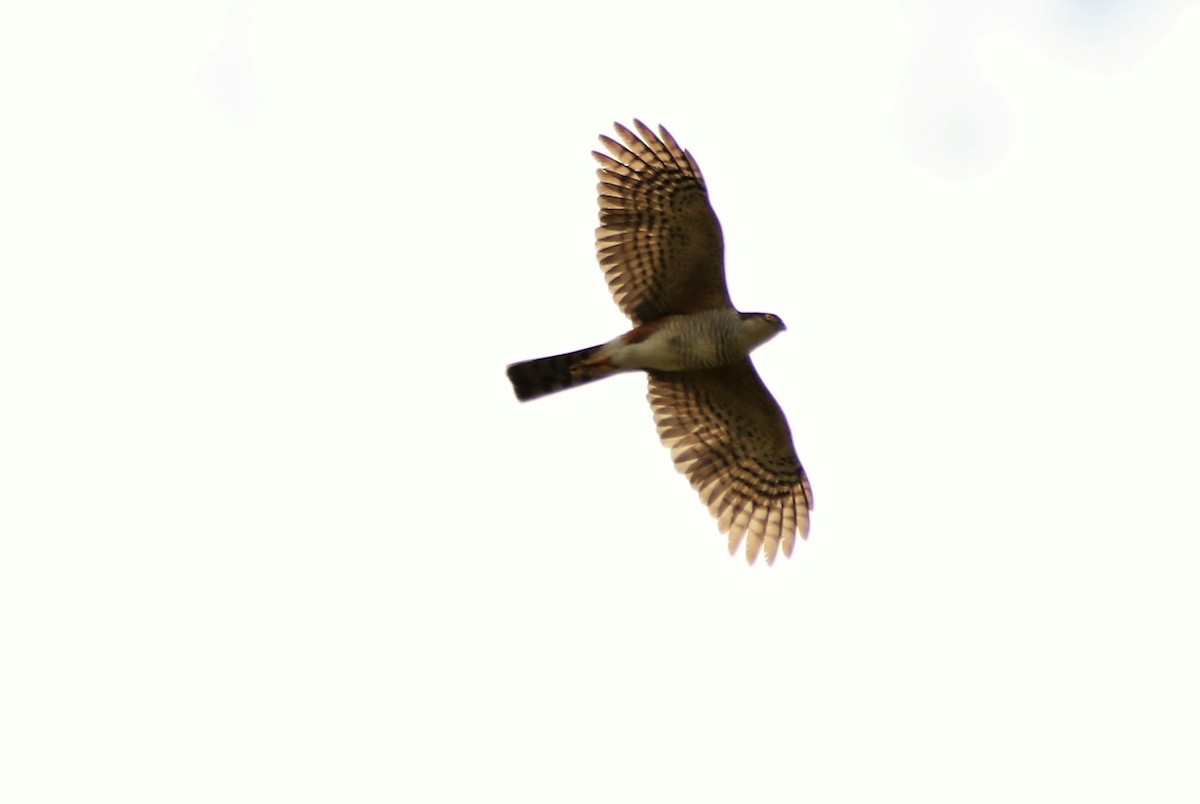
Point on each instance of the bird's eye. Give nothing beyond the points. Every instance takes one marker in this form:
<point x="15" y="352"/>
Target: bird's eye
<point x="771" y="317"/>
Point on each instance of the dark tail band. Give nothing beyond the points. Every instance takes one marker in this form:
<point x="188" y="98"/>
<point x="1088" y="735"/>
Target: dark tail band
<point x="534" y="378"/>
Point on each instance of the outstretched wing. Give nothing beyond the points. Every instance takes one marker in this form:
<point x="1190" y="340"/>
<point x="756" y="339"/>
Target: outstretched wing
<point x="728" y="435"/>
<point x="659" y="241"/>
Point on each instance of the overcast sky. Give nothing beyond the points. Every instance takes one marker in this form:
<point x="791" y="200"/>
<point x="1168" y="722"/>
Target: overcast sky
<point x="274" y="528"/>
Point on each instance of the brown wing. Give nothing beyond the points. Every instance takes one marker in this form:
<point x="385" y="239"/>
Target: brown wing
<point x="659" y="241"/>
<point x="728" y="435"/>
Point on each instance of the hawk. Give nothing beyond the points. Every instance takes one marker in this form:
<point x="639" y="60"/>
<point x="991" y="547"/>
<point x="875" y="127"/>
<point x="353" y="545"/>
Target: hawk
<point x="660" y="245"/>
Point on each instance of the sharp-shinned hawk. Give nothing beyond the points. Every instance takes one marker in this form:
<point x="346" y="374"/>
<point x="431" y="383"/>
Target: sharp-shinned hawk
<point x="660" y="246"/>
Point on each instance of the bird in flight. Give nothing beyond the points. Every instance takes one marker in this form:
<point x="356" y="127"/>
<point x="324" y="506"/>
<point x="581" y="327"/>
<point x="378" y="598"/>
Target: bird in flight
<point x="660" y="245"/>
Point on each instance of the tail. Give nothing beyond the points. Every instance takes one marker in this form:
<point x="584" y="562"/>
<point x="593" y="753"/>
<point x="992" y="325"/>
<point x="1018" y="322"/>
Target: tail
<point x="534" y="378"/>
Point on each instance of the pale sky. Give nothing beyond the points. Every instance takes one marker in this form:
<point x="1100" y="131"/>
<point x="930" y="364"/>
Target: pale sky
<point x="274" y="528"/>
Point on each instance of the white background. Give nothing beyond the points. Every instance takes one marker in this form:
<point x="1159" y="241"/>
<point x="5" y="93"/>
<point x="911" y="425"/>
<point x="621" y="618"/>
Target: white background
<point x="273" y="528"/>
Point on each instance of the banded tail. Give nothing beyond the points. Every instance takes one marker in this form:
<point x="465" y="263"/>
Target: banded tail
<point x="534" y="378"/>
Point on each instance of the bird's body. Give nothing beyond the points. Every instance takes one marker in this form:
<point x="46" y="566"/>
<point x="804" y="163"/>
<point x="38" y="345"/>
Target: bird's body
<point x="689" y="342"/>
<point x="662" y="250"/>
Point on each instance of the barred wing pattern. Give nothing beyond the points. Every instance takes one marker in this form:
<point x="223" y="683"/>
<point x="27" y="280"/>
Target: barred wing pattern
<point x="659" y="242"/>
<point x="728" y="435"/>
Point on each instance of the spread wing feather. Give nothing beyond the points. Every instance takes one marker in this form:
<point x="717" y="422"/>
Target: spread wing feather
<point x="728" y="435"/>
<point x="659" y="242"/>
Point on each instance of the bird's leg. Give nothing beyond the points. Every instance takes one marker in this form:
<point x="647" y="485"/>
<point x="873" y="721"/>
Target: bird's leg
<point x="594" y="366"/>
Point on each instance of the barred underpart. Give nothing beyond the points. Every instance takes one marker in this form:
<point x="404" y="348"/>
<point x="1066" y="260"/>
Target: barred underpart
<point x="704" y="340"/>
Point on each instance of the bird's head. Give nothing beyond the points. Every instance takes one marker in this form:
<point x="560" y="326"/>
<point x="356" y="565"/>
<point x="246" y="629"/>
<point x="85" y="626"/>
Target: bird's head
<point x="758" y="328"/>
